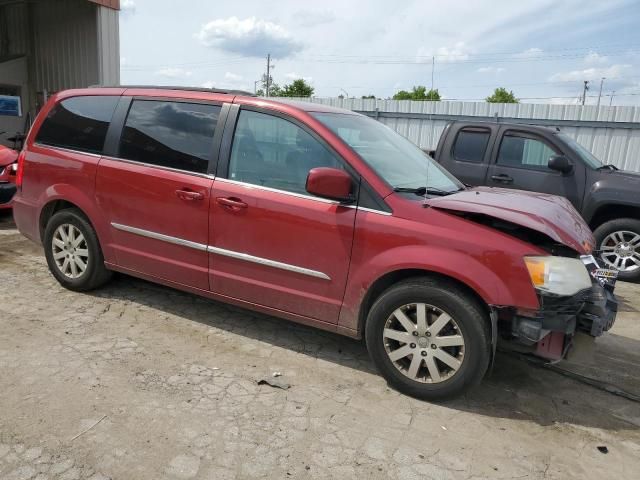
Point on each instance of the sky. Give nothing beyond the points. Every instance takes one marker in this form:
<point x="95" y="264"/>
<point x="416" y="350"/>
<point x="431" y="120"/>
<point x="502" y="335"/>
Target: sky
<point x="543" y="50"/>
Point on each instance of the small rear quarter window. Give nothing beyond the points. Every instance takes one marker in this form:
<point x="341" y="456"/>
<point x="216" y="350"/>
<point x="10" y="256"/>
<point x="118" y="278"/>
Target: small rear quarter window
<point x="471" y="145"/>
<point x="78" y="123"/>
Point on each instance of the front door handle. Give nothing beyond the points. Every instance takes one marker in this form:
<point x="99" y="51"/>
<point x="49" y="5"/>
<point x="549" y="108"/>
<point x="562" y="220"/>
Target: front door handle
<point x="502" y="178"/>
<point x="231" y="203"/>
<point x="189" y="195"/>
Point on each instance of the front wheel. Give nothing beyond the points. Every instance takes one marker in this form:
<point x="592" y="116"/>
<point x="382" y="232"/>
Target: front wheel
<point x="429" y="338"/>
<point x="618" y="242"/>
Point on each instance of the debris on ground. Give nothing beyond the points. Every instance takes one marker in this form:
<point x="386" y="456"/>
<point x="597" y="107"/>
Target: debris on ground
<point x="603" y="449"/>
<point x="274" y="382"/>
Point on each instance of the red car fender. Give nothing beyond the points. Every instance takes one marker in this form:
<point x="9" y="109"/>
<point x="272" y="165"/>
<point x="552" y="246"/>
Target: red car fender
<point x="87" y="204"/>
<point x="466" y="269"/>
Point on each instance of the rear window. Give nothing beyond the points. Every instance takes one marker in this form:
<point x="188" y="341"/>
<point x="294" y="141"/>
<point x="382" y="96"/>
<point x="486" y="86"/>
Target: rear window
<point x="471" y="145"/>
<point x="78" y="123"/>
<point x="170" y="134"/>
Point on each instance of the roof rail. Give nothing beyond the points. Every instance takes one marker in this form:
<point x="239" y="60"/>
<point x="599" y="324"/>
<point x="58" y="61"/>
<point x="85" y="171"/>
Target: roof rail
<point x="189" y="89"/>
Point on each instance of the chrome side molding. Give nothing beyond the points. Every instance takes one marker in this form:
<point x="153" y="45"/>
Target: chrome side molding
<point x="220" y="251"/>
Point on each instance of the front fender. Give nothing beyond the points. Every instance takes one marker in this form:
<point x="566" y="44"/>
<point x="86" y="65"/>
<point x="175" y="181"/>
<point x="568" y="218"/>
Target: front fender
<point x="497" y="278"/>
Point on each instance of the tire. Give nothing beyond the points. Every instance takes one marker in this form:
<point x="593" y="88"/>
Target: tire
<point x="470" y="321"/>
<point x="88" y="251"/>
<point x="608" y="238"/>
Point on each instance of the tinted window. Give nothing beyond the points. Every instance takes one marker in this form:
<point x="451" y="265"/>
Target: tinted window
<point x="524" y="152"/>
<point x="471" y="145"/>
<point x="273" y="152"/>
<point x="79" y="123"/>
<point x="170" y="134"/>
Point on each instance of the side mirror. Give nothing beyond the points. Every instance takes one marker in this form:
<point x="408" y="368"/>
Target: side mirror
<point x="560" y="163"/>
<point x="330" y="183"/>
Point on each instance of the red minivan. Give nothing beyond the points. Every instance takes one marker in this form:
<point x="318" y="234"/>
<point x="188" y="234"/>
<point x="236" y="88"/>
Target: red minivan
<point x="313" y="214"/>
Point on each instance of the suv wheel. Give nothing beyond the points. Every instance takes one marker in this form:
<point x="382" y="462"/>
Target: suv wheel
<point x="428" y="338"/>
<point x="618" y="242"/>
<point x="73" y="252"/>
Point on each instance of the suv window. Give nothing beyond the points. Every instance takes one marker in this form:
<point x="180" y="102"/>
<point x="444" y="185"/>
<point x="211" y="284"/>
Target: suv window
<point x="471" y="145"/>
<point x="170" y="134"/>
<point x="273" y="152"/>
<point x="516" y="151"/>
<point x="78" y="123"/>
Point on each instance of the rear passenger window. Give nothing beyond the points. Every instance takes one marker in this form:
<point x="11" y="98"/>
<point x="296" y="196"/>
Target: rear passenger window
<point x="78" y="123"/>
<point x="471" y="145"/>
<point x="170" y="134"/>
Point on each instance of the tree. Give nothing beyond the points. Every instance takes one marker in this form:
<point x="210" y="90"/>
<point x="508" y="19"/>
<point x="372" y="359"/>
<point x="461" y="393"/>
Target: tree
<point x="418" y="93"/>
<point x="297" y="88"/>
<point x="500" y="95"/>
<point x="274" y="88"/>
<point x="366" y="97"/>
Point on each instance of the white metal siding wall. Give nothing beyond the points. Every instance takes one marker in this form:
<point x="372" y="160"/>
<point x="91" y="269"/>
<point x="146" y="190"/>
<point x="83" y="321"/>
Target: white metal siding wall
<point x="65" y="44"/>
<point x="108" y="46"/>
<point x="619" y="146"/>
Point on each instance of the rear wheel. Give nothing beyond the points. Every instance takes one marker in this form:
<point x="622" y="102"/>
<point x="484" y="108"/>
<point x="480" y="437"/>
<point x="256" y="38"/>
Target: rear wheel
<point x="429" y="338"/>
<point x="73" y="252"/>
<point x="618" y="242"/>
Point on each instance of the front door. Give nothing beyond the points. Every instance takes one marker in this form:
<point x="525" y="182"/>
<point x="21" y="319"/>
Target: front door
<point x="521" y="163"/>
<point x="271" y="242"/>
<point x="155" y="190"/>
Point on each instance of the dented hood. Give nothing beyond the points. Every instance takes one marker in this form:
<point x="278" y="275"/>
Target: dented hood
<point x="549" y="214"/>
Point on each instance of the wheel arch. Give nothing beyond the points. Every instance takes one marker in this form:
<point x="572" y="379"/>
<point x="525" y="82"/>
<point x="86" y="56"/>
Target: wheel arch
<point x="381" y="284"/>
<point x="613" y="211"/>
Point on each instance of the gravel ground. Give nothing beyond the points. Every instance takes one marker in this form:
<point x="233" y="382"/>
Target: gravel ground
<point x="137" y="381"/>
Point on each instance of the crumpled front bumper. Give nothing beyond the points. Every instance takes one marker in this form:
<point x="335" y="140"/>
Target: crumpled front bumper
<point x="559" y="319"/>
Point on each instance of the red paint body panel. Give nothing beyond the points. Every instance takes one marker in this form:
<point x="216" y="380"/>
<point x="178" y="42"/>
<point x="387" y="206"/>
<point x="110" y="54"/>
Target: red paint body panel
<point x="350" y="246"/>
<point x="143" y="197"/>
<point x="552" y="215"/>
<point x="8" y="157"/>
<point x="285" y="228"/>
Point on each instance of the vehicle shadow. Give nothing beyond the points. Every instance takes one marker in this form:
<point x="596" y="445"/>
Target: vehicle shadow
<point x="6" y="220"/>
<point x="515" y="389"/>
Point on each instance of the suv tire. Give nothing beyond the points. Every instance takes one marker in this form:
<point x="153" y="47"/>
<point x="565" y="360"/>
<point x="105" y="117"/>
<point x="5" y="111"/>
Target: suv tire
<point x="619" y="233"/>
<point x="437" y="362"/>
<point x="73" y="252"/>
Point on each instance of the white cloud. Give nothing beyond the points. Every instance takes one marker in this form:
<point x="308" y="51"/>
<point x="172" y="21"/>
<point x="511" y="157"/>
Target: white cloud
<point x="529" y="53"/>
<point x="495" y="70"/>
<point x="173" y="72"/>
<point x="313" y="18"/>
<point x="252" y="37"/>
<point x="594" y="58"/>
<point x="295" y="76"/>
<point x="456" y="53"/>
<point x="123" y="61"/>
<point x="128" y="6"/>
<point x="233" y="77"/>
<point x="612" y="72"/>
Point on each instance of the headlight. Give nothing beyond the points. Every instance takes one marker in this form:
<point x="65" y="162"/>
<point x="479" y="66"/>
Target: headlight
<point x="558" y="275"/>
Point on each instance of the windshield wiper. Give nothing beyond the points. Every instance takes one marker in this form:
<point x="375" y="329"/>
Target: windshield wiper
<point x="425" y="191"/>
<point x="609" y="166"/>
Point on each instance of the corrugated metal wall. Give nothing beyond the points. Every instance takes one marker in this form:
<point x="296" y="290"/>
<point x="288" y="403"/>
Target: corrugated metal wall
<point x="65" y="44"/>
<point x="109" y="46"/>
<point x="611" y="133"/>
<point x="13" y="32"/>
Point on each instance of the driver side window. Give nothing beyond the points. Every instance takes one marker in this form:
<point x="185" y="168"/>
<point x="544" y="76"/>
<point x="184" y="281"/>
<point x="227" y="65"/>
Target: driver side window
<point x="273" y="152"/>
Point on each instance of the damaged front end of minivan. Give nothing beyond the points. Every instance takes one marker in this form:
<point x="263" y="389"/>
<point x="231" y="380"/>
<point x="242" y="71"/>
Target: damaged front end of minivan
<point x="575" y="296"/>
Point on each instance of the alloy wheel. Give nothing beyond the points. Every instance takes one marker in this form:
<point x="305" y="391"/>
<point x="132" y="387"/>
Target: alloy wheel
<point x="621" y="250"/>
<point x="70" y="250"/>
<point x="424" y="343"/>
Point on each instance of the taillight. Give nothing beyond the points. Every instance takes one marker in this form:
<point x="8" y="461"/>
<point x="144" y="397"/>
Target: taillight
<point x="20" y="172"/>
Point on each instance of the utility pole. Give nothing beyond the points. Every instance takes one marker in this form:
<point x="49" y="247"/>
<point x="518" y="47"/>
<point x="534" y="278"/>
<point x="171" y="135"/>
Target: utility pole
<point x="433" y="67"/>
<point x="600" y="94"/>
<point x="584" y="91"/>
<point x="268" y="73"/>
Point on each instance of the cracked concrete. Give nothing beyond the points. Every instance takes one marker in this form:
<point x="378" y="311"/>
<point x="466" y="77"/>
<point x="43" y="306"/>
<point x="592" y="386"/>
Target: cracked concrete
<point x="139" y="381"/>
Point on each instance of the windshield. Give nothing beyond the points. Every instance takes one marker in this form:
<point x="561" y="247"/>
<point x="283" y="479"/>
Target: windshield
<point x="588" y="157"/>
<point x="398" y="161"/>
